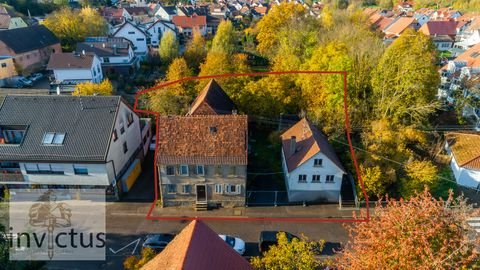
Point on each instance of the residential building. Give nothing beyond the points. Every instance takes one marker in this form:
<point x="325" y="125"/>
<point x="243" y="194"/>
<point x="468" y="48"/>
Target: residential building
<point x="398" y="26"/>
<point x="467" y="63"/>
<point x="66" y="141"/>
<point x="156" y="31"/>
<point x="165" y="12"/>
<point x="311" y="168"/>
<point x="442" y="33"/>
<point x="464" y="149"/>
<point x="7" y="68"/>
<point x="8" y="20"/>
<point x="185" y="25"/>
<point x="74" y="68"/>
<point x="212" y="100"/>
<point x="116" y="54"/>
<point x="113" y="15"/>
<point x="30" y="47"/>
<point x="197" y="247"/>
<point x="136" y="35"/>
<point x="445" y="14"/>
<point x="136" y="14"/>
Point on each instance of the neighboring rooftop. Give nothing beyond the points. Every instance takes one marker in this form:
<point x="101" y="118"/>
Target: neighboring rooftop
<point x="466" y="149"/>
<point x="27" y="39"/>
<point x="203" y="139"/>
<point x="71" y="61"/>
<point x="198" y="247"/>
<point x="432" y="28"/>
<point x="470" y="57"/>
<point x="308" y="142"/>
<point x="212" y="100"/>
<point x="105" y="46"/>
<point x="398" y="26"/>
<point x="189" y="22"/>
<point x="85" y="122"/>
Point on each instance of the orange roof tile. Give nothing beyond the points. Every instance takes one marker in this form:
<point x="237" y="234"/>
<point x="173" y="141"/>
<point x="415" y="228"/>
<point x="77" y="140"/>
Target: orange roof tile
<point x="471" y="57"/>
<point x="400" y="25"/>
<point x="466" y="149"/>
<point x="384" y="23"/>
<point x="309" y="142"/>
<point x="189" y="22"/>
<point x="197" y="247"/>
<point x="202" y="139"/>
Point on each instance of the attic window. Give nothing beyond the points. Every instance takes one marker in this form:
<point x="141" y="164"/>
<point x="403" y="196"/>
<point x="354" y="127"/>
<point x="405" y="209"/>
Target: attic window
<point x="213" y="130"/>
<point x="54" y="138"/>
<point x="475" y="54"/>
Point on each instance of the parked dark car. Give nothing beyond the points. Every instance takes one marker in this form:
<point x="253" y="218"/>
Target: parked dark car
<point x="157" y="242"/>
<point x="269" y="238"/>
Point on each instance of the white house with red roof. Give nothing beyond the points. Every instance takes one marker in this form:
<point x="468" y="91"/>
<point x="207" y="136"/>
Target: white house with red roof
<point x="185" y="25"/>
<point x="442" y="33"/>
<point x="312" y="170"/>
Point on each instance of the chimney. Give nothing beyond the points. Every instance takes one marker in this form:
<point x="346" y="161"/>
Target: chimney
<point x="293" y="145"/>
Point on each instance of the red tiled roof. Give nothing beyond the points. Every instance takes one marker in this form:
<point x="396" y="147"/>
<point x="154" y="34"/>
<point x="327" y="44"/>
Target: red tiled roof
<point x="212" y="100"/>
<point x="112" y="12"/>
<point x="432" y="28"/>
<point x="203" y="139"/>
<point x="70" y="61"/>
<point x="400" y="25"/>
<point x="466" y="149"/>
<point x="198" y="247"/>
<point x="471" y="57"/>
<point x="309" y="142"/>
<point x="189" y="22"/>
<point x="384" y="23"/>
<point x="261" y="10"/>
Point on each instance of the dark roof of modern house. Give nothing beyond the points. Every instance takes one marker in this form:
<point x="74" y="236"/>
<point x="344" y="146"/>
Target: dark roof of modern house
<point x="105" y="46"/>
<point x="71" y="61"/>
<point x="27" y="39"/>
<point x="126" y="23"/>
<point x="137" y="11"/>
<point x="87" y="123"/>
<point x="202" y="139"/>
<point x="212" y="100"/>
<point x="171" y="10"/>
<point x="466" y="149"/>
<point x="309" y="142"/>
<point x="198" y="247"/>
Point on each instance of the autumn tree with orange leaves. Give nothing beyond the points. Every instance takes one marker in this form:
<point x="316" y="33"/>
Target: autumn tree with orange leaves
<point x="421" y="233"/>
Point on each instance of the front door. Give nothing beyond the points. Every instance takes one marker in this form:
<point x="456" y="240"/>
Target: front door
<point x="201" y="194"/>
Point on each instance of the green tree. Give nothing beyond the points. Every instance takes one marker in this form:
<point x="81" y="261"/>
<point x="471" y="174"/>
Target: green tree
<point x="386" y="4"/>
<point x="168" y="49"/>
<point x="406" y="79"/>
<point x="419" y="173"/>
<point x="286" y="255"/>
<point x="225" y="39"/>
<point x="72" y="26"/>
<point x="104" y="88"/>
<point x="135" y="263"/>
<point x="196" y="51"/>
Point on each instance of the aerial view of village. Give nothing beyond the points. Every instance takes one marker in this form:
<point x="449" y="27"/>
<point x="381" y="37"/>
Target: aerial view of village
<point x="239" y="134"/>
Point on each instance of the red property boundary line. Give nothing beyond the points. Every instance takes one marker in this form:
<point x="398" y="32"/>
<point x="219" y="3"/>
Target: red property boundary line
<point x="286" y="219"/>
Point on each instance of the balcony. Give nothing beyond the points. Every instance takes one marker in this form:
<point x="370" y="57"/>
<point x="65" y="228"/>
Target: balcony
<point x="11" y="175"/>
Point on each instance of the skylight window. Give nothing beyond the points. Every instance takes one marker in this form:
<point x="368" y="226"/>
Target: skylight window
<point x="53" y="138"/>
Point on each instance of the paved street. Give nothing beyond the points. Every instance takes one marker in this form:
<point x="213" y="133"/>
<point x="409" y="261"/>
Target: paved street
<point x="126" y="224"/>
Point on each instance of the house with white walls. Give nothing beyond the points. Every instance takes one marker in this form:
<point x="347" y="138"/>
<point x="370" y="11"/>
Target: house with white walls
<point x="66" y="141"/>
<point x="157" y="29"/>
<point x="74" y="68"/>
<point x="136" y="35"/>
<point x="312" y="170"/>
<point x="464" y="149"/>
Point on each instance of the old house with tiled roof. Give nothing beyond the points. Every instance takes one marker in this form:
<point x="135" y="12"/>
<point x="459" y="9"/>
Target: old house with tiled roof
<point x="185" y="24"/>
<point x="442" y="33"/>
<point x="8" y="20"/>
<point x="197" y="247"/>
<point x="464" y="149"/>
<point x="67" y="141"/>
<point x="312" y="170"/>
<point x="30" y="47"/>
<point x="202" y="157"/>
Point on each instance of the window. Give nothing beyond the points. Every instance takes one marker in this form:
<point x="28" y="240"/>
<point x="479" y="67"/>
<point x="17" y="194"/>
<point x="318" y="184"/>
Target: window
<point x="232" y="171"/>
<point x="171" y="189"/>
<point x="115" y="135"/>
<point x="233" y="189"/>
<point x="329" y="179"/>
<point x="106" y="60"/>
<point x="57" y="169"/>
<point x="53" y="138"/>
<point x="218" y="188"/>
<point x="302" y="178"/>
<point x="140" y="39"/>
<point x="43" y="168"/>
<point x="316" y="178"/>
<point x="131" y="33"/>
<point x="317" y="162"/>
<point x="94" y="73"/>
<point x="4" y="65"/>
<point x="81" y="170"/>
<point x="183" y="170"/>
<point x="125" y="148"/>
<point x="170" y="170"/>
<point x="200" y="170"/>
<point x="186" y="189"/>
<point x="218" y="170"/>
<point x="129" y="119"/>
<point x="122" y="128"/>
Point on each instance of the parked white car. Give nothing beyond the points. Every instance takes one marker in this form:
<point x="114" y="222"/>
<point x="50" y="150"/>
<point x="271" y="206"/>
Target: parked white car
<point x="236" y="243"/>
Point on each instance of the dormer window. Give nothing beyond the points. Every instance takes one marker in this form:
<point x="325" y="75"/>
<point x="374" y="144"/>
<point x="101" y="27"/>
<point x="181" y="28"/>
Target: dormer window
<point x="53" y="138"/>
<point x="318" y="162"/>
<point x="12" y="134"/>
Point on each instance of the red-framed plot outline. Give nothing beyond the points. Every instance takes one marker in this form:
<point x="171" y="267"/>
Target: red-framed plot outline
<point x="276" y="219"/>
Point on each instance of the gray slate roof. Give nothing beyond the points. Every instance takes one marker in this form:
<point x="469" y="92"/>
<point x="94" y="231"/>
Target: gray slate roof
<point x="27" y="39"/>
<point x="88" y="130"/>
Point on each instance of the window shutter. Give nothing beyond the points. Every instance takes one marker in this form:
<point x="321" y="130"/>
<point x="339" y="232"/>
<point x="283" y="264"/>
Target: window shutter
<point x="239" y="189"/>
